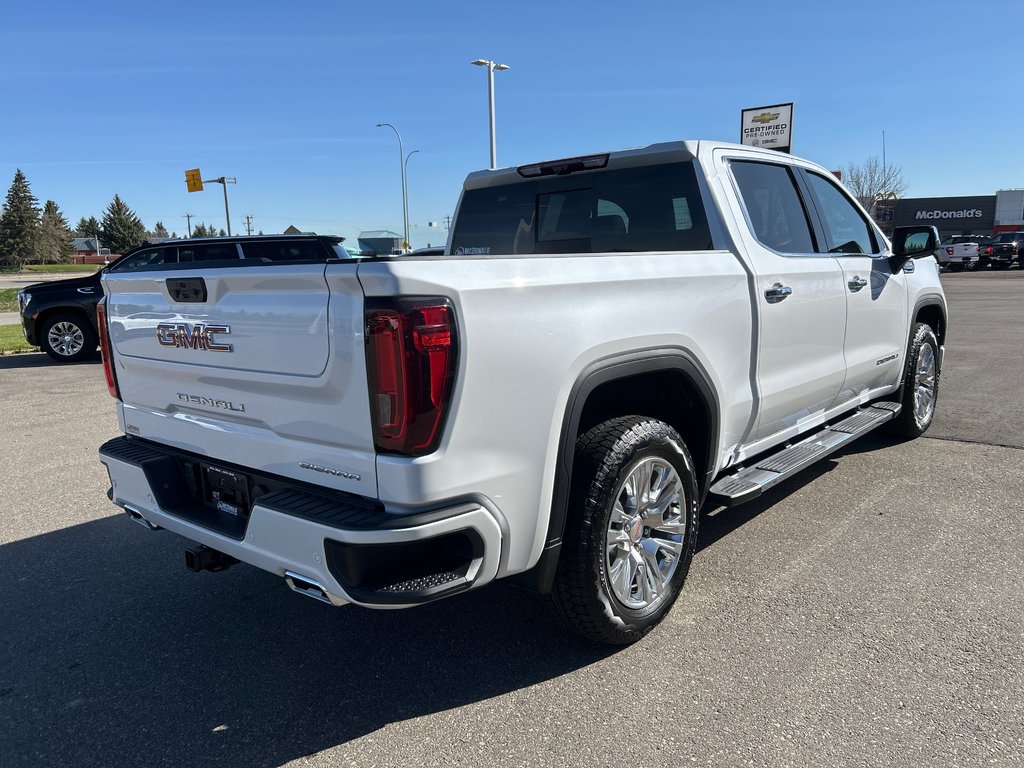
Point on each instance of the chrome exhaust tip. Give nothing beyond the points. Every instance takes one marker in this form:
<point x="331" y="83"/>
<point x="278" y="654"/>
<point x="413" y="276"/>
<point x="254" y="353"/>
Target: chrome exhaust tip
<point x="136" y="515"/>
<point x="311" y="588"/>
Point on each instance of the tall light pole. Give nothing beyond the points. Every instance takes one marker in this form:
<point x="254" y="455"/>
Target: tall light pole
<point x="405" y="169"/>
<point x="405" y="193"/>
<point x="491" y="66"/>
<point x="225" y="180"/>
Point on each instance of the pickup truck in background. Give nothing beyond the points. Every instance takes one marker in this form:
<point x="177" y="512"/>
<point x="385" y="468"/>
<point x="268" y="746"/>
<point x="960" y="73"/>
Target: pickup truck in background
<point x="1004" y="249"/>
<point x="608" y="343"/>
<point x="958" y="252"/>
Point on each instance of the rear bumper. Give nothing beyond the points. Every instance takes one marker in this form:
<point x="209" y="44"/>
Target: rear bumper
<point x="357" y="552"/>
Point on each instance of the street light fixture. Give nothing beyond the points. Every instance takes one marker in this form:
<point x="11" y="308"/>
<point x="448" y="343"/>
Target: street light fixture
<point x="491" y="66"/>
<point x="405" y="193"/>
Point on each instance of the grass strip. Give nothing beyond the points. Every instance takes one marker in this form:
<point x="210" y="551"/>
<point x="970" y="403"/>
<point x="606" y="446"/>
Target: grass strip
<point x="8" y="299"/>
<point x="62" y="267"/>
<point x="13" y="340"/>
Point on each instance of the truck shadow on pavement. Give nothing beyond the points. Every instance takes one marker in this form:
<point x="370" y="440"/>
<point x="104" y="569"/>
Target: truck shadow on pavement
<point x="719" y="522"/>
<point x="37" y="360"/>
<point x="114" y="655"/>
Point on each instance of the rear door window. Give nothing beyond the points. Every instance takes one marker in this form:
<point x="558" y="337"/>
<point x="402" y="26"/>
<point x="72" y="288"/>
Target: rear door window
<point x="652" y="208"/>
<point x="777" y="215"/>
<point x="270" y="251"/>
<point x="206" y="252"/>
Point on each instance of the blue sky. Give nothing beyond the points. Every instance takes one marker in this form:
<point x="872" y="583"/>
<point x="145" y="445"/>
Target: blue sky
<point x="101" y="98"/>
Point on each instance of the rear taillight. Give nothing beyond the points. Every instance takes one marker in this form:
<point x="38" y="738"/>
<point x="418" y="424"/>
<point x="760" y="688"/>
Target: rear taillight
<point x="949" y="250"/>
<point x="988" y="250"/>
<point x="411" y="349"/>
<point x="105" y="350"/>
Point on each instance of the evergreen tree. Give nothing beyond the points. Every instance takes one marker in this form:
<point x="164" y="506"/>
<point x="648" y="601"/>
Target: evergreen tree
<point x="122" y="229"/>
<point x="159" y="231"/>
<point x="87" y="227"/>
<point x="222" y="233"/>
<point x="202" y="230"/>
<point x="19" y="224"/>
<point x="54" y="243"/>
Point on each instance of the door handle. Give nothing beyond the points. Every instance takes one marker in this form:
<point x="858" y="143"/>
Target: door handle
<point x="777" y="293"/>
<point x="857" y="283"/>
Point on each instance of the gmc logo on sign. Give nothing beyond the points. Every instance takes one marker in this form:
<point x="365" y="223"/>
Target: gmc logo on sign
<point x="198" y="336"/>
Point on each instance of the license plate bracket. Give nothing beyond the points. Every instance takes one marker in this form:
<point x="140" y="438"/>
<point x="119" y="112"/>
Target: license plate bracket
<point x="225" y="490"/>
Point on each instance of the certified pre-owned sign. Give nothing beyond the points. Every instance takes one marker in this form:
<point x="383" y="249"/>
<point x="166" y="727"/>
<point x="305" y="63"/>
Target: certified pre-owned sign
<point x="768" y="127"/>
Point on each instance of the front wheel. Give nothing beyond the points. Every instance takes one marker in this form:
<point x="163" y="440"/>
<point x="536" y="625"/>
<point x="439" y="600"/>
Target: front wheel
<point x="920" y="383"/>
<point x="68" y="338"/>
<point x="631" y="530"/>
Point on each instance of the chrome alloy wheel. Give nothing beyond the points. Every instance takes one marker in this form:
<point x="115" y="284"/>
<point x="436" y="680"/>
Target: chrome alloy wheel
<point x="924" y="384"/>
<point x="66" y="338"/>
<point x="646" y="528"/>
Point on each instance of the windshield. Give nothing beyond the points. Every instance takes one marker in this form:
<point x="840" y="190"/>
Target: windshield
<point x="1009" y="237"/>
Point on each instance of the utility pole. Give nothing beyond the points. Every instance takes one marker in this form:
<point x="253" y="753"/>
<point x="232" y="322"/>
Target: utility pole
<point x="248" y="224"/>
<point x="188" y="219"/>
<point x="447" y="222"/>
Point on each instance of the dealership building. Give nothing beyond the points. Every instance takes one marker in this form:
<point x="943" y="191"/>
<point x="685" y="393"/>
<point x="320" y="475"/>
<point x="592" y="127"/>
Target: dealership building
<point x="975" y="215"/>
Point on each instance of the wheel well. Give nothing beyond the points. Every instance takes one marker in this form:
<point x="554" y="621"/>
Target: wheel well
<point x="46" y="314"/>
<point x="933" y="315"/>
<point x="668" y="396"/>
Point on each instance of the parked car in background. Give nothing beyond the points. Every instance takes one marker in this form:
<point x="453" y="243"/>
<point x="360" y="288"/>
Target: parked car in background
<point x="59" y="316"/>
<point x="958" y="252"/>
<point x="1006" y="248"/>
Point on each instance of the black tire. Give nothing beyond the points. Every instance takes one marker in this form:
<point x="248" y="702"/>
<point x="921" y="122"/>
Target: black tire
<point x="914" y="420"/>
<point x="68" y="337"/>
<point x="955" y="267"/>
<point x="583" y="595"/>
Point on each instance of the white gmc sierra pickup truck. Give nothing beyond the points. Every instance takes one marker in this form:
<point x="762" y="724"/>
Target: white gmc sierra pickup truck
<point x="608" y="343"/>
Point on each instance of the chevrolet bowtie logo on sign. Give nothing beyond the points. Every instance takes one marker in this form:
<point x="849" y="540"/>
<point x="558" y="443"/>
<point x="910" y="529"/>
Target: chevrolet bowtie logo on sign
<point x="198" y="336"/>
<point x="768" y="127"/>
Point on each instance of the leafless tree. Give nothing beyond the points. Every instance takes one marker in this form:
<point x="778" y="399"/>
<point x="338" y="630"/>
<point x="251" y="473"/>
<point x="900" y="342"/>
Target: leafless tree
<point x="870" y="181"/>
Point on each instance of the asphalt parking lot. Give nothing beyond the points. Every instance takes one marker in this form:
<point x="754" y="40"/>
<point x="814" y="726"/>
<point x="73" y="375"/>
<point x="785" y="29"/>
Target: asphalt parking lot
<point x="870" y="612"/>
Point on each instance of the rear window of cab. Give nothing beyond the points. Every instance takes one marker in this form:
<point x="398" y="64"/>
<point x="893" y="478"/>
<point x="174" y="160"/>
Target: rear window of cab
<point x="650" y="208"/>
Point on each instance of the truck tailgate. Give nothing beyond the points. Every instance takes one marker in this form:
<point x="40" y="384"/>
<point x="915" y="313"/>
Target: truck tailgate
<point x="258" y="365"/>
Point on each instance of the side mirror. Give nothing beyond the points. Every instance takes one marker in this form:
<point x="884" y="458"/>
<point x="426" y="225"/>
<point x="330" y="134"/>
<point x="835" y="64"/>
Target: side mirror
<point x="913" y="243"/>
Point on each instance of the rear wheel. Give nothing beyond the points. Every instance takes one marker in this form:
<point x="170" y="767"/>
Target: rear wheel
<point x="955" y="267"/>
<point x="68" y="338"/>
<point x="920" y="385"/>
<point x="631" y="530"/>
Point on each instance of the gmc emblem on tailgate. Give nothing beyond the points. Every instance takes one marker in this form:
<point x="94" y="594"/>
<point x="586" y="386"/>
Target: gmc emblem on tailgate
<point x="198" y="336"/>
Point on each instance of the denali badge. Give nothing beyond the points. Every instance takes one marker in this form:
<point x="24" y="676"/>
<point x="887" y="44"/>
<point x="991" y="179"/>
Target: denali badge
<point x="329" y="471"/>
<point x="198" y="336"/>
<point x="227" y="405"/>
